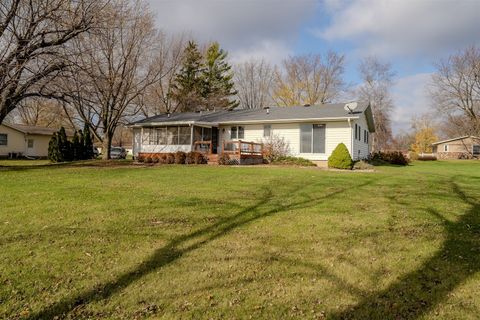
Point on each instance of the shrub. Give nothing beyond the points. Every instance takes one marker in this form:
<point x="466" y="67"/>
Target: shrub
<point x="170" y="158"/>
<point x="180" y="157"/>
<point x="412" y="155"/>
<point x="189" y="158"/>
<point x="340" y="158"/>
<point x="275" y="147"/>
<point x="392" y="157"/>
<point x="293" y="161"/>
<point x="224" y="159"/>
<point x="200" y="158"/>
<point x="362" y="165"/>
<point x="148" y="160"/>
<point x="155" y="159"/>
<point x="140" y="158"/>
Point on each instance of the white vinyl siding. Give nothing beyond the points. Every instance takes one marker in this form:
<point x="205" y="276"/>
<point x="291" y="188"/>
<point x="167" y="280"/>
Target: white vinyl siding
<point x="335" y="132"/>
<point x="361" y="148"/>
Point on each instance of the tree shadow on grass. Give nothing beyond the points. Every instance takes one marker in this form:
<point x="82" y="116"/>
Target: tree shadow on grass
<point x="418" y="292"/>
<point x="267" y="205"/>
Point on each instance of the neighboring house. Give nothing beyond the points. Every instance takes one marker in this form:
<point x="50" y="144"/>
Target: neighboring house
<point x="20" y="140"/>
<point x="466" y="147"/>
<point x="312" y="132"/>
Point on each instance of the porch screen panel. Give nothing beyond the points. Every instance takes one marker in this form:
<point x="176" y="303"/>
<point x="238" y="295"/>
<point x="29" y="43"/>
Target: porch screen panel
<point x="152" y="136"/>
<point x="207" y="134"/>
<point x="184" y="135"/>
<point x="172" y="135"/>
<point x="162" y="136"/>
<point x="318" y="138"/>
<point x="305" y="138"/>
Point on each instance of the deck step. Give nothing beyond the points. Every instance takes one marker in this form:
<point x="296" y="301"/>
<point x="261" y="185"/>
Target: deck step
<point x="213" y="159"/>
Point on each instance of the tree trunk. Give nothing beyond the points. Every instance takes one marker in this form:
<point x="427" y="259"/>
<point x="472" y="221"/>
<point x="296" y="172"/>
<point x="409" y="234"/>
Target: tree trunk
<point x="107" y="146"/>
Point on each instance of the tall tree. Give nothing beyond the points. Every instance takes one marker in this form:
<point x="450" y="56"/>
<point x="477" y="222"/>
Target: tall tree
<point x="114" y="71"/>
<point x="309" y="79"/>
<point x="456" y="90"/>
<point x="377" y="82"/>
<point x="159" y="96"/>
<point x="33" y="39"/>
<point x="217" y="76"/>
<point x="254" y="81"/>
<point x="188" y="86"/>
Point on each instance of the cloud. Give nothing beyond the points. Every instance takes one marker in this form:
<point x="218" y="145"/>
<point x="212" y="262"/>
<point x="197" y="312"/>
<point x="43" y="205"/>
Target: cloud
<point x="399" y="27"/>
<point x="411" y="98"/>
<point x="259" y="27"/>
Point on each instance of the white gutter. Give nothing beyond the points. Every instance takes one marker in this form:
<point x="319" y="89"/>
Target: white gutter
<point x="288" y="120"/>
<point x="174" y="123"/>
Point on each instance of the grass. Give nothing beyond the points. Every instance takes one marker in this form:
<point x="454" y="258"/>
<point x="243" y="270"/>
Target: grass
<point x="102" y="240"/>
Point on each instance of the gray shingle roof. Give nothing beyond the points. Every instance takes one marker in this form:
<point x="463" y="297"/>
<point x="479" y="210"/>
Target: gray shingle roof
<point x="34" y="130"/>
<point x="326" y="111"/>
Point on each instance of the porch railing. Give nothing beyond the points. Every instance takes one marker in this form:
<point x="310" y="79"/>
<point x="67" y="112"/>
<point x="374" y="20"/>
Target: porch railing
<point x="242" y="148"/>
<point x="203" y="147"/>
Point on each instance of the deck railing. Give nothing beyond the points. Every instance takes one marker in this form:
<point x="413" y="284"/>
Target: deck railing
<point x="240" y="147"/>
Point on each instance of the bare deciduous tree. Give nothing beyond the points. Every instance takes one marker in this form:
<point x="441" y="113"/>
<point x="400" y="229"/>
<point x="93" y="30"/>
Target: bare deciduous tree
<point x="455" y="91"/>
<point x="40" y="112"/>
<point x="377" y="80"/>
<point x="111" y="76"/>
<point x="158" y="97"/>
<point x="309" y="79"/>
<point x="32" y="36"/>
<point x="254" y="81"/>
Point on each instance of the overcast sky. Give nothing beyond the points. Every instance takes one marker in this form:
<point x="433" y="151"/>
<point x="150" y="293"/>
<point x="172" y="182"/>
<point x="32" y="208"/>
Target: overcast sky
<point x="410" y="34"/>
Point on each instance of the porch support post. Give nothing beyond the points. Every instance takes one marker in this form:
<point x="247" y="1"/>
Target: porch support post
<point x="191" y="138"/>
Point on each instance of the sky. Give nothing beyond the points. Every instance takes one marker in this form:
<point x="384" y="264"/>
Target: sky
<point x="411" y="35"/>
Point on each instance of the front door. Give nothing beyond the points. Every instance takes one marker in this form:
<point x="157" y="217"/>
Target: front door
<point x="214" y="139"/>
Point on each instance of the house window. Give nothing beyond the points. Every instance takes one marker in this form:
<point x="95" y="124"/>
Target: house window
<point x="312" y="138"/>
<point x="476" y="150"/>
<point x="267" y="130"/>
<point x="30" y="143"/>
<point x="3" y="139"/>
<point x="445" y="148"/>
<point x="365" y="136"/>
<point x="356" y="131"/>
<point x="237" y="132"/>
<point x="359" y="133"/>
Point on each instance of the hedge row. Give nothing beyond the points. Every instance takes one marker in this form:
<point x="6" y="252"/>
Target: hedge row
<point x="179" y="157"/>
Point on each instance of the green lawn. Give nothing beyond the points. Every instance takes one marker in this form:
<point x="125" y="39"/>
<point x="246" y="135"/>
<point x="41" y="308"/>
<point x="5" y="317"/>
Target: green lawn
<point x="107" y="241"/>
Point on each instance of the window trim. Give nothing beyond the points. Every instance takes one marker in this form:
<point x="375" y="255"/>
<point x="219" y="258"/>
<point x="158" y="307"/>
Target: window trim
<point x="237" y="131"/>
<point x="265" y="128"/>
<point x="473" y="149"/>
<point x="312" y="140"/>
<point x="6" y="139"/>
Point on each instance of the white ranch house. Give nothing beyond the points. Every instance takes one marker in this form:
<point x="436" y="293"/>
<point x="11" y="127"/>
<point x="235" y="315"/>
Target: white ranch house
<point x="312" y="132"/>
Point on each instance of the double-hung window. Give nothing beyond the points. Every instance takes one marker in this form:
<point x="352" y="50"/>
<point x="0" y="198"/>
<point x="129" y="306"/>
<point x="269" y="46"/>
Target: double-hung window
<point x="237" y="132"/>
<point x="3" y="139"/>
<point x="476" y="150"/>
<point x="312" y="138"/>
<point x="267" y="131"/>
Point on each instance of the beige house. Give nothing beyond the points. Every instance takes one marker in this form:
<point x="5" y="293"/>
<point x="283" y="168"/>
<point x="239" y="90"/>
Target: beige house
<point x="466" y="147"/>
<point x="20" y="140"/>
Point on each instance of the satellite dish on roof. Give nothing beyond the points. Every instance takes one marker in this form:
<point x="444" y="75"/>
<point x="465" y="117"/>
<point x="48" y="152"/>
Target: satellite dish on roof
<point x="350" y="107"/>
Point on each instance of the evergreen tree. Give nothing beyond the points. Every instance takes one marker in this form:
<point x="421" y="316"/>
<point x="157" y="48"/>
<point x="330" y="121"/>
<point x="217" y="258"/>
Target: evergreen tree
<point x="218" y="85"/>
<point x="87" y="142"/>
<point x="53" y="149"/>
<point x="188" y="84"/>
<point x="81" y="146"/>
<point x="64" y="146"/>
<point x="76" y="148"/>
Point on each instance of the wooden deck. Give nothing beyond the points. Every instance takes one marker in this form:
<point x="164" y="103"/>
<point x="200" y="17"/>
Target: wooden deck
<point x="239" y="151"/>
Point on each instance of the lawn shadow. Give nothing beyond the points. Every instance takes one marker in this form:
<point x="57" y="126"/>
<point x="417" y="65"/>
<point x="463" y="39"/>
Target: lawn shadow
<point x="75" y="164"/>
<point x="267" y="205"/>
<point x="419" y="291"/>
